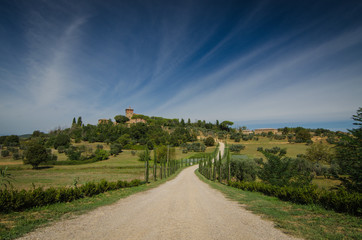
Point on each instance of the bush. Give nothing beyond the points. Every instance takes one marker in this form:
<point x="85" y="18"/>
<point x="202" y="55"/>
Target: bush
<point x="62" y="140"/>
<point x="115" y="149"/>
<point x="101" y="154"/>
<point x="16" y="156"/>
<point x="14" y="200"/>
<point x="340" y="201"/>
<point x="243" y="169"/>
<point x="236" y="147"/>
<point x="35" y="155"/>
<point x="209" y="142"/>
<point x="5" y="153"/>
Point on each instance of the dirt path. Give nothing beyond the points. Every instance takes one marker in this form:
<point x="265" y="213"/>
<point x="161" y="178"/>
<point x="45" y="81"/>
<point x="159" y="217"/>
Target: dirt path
<point x="183" y="208"/>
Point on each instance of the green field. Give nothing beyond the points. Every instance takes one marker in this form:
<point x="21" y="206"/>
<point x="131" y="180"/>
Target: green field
<point x="124" y="166"/>
<point x="293" y="149"/>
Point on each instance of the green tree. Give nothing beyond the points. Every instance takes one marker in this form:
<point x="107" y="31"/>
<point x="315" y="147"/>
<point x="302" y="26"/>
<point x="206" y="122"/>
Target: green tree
<point x="349" y="155"/>
<point x="225" y="125"/>
<point x="209" y="141"/>
<point x="319" y="153"/>
<point x="79" y="122"/>
<point x="115" y="149"/>
<point x="12" y="140"/>
<point x="121" y="119"/>
<point x="62" y="139"/>
<point x="302" y="135"/>
<point x="36" y="154"/>
<point x="283" y="171"/>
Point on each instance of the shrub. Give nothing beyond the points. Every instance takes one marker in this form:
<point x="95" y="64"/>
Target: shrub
<point x="101" y="154"/>
<point x="209" y="142"/>
<point x="236" y="147"/>
<point x="14" y="200"/>
<point x="35" y="155"/>
<point x="115" y="149"/>
<point x="340" y="201"/>
<point x="243" y="169"/>
<point x="5" y="153"/>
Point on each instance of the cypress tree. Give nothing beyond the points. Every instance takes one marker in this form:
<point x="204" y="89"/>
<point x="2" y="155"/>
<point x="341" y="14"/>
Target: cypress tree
<point x="154" y="165"/>
<point x="147" y="154"/>
<point x="228" y="163"/>
<point x="214" y="170"/>
<point x="220" y="164"/>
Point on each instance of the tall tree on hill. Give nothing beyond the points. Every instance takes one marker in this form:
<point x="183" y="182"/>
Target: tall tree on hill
<point x="349" y="155"/>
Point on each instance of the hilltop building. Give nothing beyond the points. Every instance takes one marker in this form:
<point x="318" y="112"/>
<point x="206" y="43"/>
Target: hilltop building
<point x="133" y="117"/>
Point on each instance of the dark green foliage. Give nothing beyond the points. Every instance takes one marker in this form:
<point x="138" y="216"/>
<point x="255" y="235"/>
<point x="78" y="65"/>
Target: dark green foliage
<point x="115" y="149"/>
<point x="302" y="135"/>
<point x="340" y="201"/>
<point x="349" y="156"/>
<point x="283" y="171"/>
<point x="147" y="157"/>
<point x="36" y="154"/>
<point x="12" y="141"/>
<point x="101" y="154"/>
<point x="319" y="153"/>
<point x="14" y="200"/>
<point x="73" y="153"/>
<point x="121" y="119"/>
<point x="209" y="142"/>
<point x="236" y="147"/>
<point x="5" y="153"/>
<point x="243" y="169"/>
<point x="62" y="140"/>
<point x="16" y="156"/>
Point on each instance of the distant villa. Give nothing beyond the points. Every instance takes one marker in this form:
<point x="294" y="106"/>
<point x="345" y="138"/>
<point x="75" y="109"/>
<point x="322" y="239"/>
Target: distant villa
<point x="133" y="117"/>
<point x="129" y="114"/>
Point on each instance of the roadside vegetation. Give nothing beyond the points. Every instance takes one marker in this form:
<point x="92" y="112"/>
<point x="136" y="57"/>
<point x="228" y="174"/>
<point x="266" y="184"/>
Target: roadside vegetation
<point x="304" y="166"/>
<point x="303" y="221"/>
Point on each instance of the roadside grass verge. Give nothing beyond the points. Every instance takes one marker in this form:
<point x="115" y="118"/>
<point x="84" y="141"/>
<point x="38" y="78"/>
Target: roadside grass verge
<point x="303" y="221"/>
<point x="16" y="224"/>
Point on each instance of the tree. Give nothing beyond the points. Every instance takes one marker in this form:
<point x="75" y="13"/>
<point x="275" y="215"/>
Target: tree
<point x="62" y="140"/>
<point x="36" y="154"/>
<point x="302" y="135"/>
<point x="115" y="149"/>
<point x="349" y="155"/>
<point x="79" y="122"/>
<point x="319" y="153"/>
<point x="225" y="125"/>
<point x="121" y="119"/>
<point x="12" y="140"/>
<point x="209" y="142"/>
<point x="243" y="169"/>
<point x="283" y="171"/>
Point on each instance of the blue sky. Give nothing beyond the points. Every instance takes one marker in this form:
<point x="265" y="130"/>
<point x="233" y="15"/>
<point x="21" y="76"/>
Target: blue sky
<point x="257" y="63"/>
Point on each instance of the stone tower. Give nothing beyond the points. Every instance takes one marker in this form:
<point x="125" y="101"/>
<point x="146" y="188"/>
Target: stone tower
<point x="129" y="113"/>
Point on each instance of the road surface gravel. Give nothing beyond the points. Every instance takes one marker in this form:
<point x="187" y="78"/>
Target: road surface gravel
<point x="183" y="208"/>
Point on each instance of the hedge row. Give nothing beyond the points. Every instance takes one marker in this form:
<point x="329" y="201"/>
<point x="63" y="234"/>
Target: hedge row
<point x="339" y="201"/>
<point x="14" y="200"/>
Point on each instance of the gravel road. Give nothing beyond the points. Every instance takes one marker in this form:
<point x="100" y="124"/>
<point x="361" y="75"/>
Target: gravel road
<point x="183" y="208"/>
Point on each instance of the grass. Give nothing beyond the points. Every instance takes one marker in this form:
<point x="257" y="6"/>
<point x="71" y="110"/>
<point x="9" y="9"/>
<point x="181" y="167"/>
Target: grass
<point x="16" y="224"/>
<point x="124" y="166"/>
<point x="304" y="221"/>
<point x="293" y="149"/>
